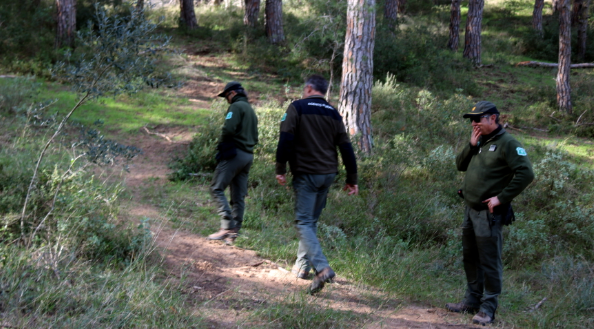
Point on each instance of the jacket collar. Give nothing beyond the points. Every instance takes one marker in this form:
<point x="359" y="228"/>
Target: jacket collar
<point x="239" y="98"/>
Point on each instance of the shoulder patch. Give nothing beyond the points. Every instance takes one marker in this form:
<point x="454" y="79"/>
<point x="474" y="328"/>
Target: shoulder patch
<point x="284" y="117"/>
<point x="229" y="116"/>
<point x="521" y="151"/>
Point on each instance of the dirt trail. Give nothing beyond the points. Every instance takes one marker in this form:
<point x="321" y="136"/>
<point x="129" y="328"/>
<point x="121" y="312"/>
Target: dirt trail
<point x="226" y="284"/>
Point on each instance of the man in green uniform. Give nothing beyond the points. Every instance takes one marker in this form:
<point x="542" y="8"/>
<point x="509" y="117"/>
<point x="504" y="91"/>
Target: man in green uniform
<point x="497" y="170"/>
<point x="235" y="156"/>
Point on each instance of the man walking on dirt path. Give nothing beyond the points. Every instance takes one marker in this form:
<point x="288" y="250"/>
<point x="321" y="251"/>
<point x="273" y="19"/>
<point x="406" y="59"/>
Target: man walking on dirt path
<point x="310" y="131"/>
<point x="497" y="170"/>
<point x="235" y="156"/>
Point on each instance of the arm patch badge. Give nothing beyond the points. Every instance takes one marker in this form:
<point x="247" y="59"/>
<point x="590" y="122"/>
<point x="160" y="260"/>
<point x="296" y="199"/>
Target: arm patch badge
<point x="284" y="117"/>
<point x="521" y="151"/>
<point x="229" y="116"/>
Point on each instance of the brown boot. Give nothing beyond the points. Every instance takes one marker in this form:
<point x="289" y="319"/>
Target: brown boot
<point x="482" y="318"/>
<point x="320" y="279"/>
<point x="461" y="308"/>
<point x="222" y="233"/>
<point x="230" y="239"/>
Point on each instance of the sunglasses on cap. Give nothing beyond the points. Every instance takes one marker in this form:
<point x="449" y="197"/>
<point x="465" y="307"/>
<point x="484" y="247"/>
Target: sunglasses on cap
<point x="478" y="119"/>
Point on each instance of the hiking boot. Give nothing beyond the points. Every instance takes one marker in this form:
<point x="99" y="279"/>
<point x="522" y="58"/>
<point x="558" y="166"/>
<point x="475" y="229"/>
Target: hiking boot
<point x="300" y="273"/>
<point x="230" y="239"/>
<point x="482" y="318"/>
<point x="461" y="308"/>
<point x="222" y="233"/>
<point x="320" y="279"/>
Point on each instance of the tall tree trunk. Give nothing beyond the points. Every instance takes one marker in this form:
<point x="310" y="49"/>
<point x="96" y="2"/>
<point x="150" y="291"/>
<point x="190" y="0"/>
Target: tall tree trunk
<point x="252" y="9"/>
<point x="66" y="20"/>
<point x="563" y="87"/>
<point x="581" y="15"/>
<point x="472" y="39"/>
<point x="187" y="15"/>
<point x="454" y="25"/>
<point x="391" y="12"/>
<point x="357" y="71"/>
<point x="274" y="21"/>
<point x="537" y="15"/>
<point x="401" y="6"/>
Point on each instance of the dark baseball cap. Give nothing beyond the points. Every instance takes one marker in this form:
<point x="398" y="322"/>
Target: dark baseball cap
<point x="233" y="85"/>
<point x="482" y="108"/>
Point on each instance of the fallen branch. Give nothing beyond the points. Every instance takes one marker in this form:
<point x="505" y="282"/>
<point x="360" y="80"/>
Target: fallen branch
<point x="158" y="134"/>
<point x="539" y="304"/>
<point x="555" y="65"/>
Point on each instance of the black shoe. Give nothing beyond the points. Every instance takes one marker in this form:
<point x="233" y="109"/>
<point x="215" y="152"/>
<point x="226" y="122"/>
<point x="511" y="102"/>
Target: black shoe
<point x="461" y="308"/>
<point x="320" y="279"/>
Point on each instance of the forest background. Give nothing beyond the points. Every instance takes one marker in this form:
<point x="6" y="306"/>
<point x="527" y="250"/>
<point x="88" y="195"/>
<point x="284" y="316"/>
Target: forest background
<point x="70" y="257"/>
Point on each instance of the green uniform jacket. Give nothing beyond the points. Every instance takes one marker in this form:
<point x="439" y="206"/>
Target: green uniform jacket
<point x="496" y="167"/>
<point x="241" y="125"/>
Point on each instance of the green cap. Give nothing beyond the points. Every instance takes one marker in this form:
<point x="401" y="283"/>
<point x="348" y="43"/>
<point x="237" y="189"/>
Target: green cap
<point x="482" y="108"/>
<point x="233" y="85"/>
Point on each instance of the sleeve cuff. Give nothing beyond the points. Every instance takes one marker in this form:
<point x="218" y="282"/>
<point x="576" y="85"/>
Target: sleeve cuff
<point x="281" y="168"/>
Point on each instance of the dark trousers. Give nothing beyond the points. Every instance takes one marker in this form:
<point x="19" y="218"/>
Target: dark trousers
<point x="482" y="243"/>
<point x="233" y="173"/>
<point x="310" y="194"/>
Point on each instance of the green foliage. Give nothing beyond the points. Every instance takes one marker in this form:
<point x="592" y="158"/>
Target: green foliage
<point x="16" y="93"/>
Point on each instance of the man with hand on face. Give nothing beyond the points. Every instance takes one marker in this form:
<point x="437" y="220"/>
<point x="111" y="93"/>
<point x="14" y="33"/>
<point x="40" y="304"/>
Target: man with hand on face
<point x="497" y="170"/>
<point x="235" y="156"/>
<point x="310" y="131"/>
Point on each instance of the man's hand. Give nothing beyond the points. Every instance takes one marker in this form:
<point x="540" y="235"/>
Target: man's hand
<point x="281" y="179"/>
<point x="353" y="189"/>
<point x="492" y="203"/>
<point x="476" y="134"/>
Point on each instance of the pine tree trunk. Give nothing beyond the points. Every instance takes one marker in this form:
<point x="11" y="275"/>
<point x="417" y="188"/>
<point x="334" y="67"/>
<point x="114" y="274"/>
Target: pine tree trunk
<point x="563" y="87"/>
<point x="66" y="20"/>
<point x="252" y="9"/>
<point x="401" y="6"/>
<point x="537" y="15"/>
<point x="582" y="24"/>
<point x="274" y="21"/>
<point x="357" y="71"/>
<point x="472" y="39"/>
<point x="187" y="14"/>
<point x="391" y="12"/>
<point x="454" y="25"/>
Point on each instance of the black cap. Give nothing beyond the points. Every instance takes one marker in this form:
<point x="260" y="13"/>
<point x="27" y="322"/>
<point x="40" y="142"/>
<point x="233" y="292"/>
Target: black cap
<point x="233" y="85"/>
<point x="482" y="108"/>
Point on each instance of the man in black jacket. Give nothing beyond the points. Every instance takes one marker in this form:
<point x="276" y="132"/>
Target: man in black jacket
<point x="236" y="155"/>
<point x="311" y="129"/>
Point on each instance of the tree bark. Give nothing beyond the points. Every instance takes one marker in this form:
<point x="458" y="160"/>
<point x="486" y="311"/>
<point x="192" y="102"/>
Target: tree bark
<point x="274" y="21"/>
<point x="454" y="25"/>
<point x="187" y="14"/>
<point x="472" y="39"/>
<point x="66" y="21"/>
<point x="140" y="4"/>
<point x="357" y="72"/>
<point x="401" y="6"/>
<point x="252" y="9"/>
<point x="563" y="87"/>
<point x="391" y="12"/>
<point x="580" y="13"/>
<point x="537" y="15"/>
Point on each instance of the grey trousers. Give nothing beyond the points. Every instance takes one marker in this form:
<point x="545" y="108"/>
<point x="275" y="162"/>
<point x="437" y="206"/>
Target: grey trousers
<point x="310" y="193"/>
<point x="482" y="243"/>
<point x="232" y="173"/>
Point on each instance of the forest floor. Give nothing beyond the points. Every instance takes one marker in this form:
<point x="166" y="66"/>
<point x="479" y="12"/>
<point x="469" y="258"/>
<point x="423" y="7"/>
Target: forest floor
<point x="231" y="287"/>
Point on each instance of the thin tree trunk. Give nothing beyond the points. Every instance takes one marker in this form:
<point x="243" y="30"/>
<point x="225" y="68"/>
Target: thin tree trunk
<point x="401" y="6"/>
<point x="537" y="15"/>
<point x="582" y="25"/>
<point x="140" y="4"/>
<point x="391" y="12"/>
<point x="252" y="9"/>
<point x="472" y="39"/>
<point x="357" y="71"/>
<point x="66" y="20"/>
<point x="274" y="21"/>
<point x="187" y="14"/>
<point x="563" y="87"/>
<point x="454" y="25"/>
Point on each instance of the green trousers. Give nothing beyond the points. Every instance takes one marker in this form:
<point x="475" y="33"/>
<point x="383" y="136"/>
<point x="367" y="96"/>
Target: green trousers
<point x="482" y="243"/>
<point x="233" y="173"/>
